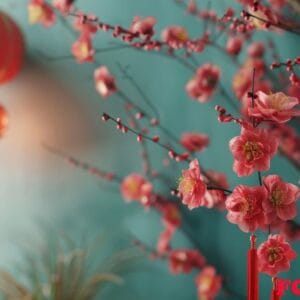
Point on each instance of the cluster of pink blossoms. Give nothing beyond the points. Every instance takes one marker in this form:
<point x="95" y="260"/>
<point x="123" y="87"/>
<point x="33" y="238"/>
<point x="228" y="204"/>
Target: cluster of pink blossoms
<point x="250" y="208"/>
<point x="135" y="187"/>
<point x="253" y="208"/>
<point x="202" y="86"/>
<point x="275" y="255"/>
<point x="193" y="190"/>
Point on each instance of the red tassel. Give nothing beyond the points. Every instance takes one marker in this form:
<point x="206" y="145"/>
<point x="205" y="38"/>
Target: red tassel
<point x="274" y="295"/>
<point x="252" y="270"/>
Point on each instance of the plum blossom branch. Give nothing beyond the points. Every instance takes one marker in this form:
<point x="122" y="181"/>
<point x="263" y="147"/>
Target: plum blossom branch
<point x="92" y="170"/>
<point x="140" y="136"/>
<point x="253" y="97"/>
<point x="269" y="23"/>
<point x="183" y="157"/>
<point x="289" y="64"/>
<point x="145" y="154"/>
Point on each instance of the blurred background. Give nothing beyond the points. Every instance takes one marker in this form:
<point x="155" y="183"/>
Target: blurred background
<point x="55" y="102"/>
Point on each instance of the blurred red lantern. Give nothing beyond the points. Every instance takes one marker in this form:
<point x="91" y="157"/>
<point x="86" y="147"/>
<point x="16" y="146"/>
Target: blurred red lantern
<point x="3" y="120"/>
<point x="11" y="50"/>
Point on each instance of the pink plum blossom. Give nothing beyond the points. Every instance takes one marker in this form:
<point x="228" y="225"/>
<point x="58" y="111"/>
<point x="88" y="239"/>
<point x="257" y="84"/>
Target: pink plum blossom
<point x="194" y="142"/>
<point x="105" y="82"/>
<point x="203" y="85"/>
<point x="184" y="260"/>
<point x="276" y="107"/>
<point x="244" y="207"/>
<point x="175" y="36"/>
<point x="135" y="187"/>
<point x="39" y="11"/>
<point x="83" y="50"/>
<point x="275" y="255"/>
<point x="64" y="6"/>
<point x="234" y="45"/>
<point x="84" y="25"/>
<point x="191" y="187"/>
<point x="252" y="150"/>
<point x="208" y="283"/>
<point x="246" y="101"/>
<point x="280" y="204"/>
<point x="143" y="27"/>
<point x="256" y="50"/>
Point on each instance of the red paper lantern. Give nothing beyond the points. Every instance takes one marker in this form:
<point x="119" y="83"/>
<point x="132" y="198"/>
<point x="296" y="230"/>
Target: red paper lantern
<point x="11" y="49"/>
<point x="3" y="120"/>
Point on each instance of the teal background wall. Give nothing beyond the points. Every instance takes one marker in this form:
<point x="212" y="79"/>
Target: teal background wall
<point x="36" y="187"/>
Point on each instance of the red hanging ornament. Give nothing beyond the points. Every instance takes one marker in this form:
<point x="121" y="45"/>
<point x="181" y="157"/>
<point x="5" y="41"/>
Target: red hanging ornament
<point x="274" y="293"/>
<point x="252" y="279"/>
<point x="11" y="50"/>
<point x="3" y="120"/>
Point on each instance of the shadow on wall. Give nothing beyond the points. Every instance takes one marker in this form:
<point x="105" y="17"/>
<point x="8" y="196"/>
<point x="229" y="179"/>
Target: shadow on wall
<point x="40" y="109"/>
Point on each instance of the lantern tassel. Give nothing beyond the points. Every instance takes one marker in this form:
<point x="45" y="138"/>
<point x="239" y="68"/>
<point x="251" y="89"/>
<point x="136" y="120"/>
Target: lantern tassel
<point x="252" y="279"/>
<point x="274" y="295"/>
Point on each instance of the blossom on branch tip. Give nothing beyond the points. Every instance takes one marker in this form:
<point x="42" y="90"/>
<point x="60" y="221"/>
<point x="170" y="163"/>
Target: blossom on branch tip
<point x="280" y="204"/>
<point x="135" y="187"/>
<point x="256" y="50"/>
<point x="191" y="186"/>
<point x="252" y="150"/>
<point x="234" y="45"/>
<point x="194" y="142"/>
<point x="64" y="6"/>
<point x="104" y="81"/>
<point x="84" y="23"/>
<point x="143" y="27"/>
<point x="40" y="11"/>
<point x="246" y="100"/>
<point x="276" y="107"/>
<point x="245" y="209"/>
<point x="208" y="283"/>
<point x="184" y="260"/>
<point x="175" y="36"/>
<point x="83" y="50"/>
<point x="274" y="255"/>
<point x="202" y="86"/>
